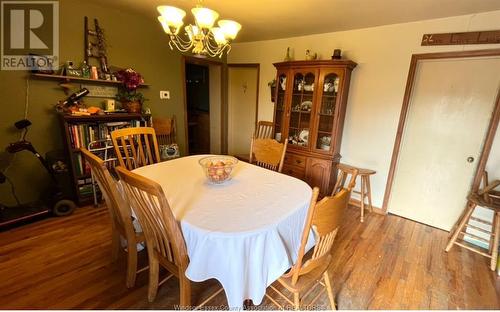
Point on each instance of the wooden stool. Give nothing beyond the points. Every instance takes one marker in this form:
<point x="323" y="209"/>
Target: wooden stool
<point x="487" y="198"/>
<point x="365" y="189"/>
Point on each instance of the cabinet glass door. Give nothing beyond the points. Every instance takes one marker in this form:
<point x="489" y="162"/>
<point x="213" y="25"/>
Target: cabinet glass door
<point x="326" y="111"/>
<point x="301" y="107"/>
<point x="279" y="112"/>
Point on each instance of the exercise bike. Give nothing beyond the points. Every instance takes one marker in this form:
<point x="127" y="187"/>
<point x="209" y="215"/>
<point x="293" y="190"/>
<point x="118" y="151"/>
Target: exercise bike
<point x="53" y="201"/>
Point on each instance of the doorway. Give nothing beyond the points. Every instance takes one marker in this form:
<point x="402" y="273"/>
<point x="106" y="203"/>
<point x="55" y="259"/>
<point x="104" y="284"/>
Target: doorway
<point x="447" y="117"/>
<point x="243" y="94"/>
<point x="203" y="103"/>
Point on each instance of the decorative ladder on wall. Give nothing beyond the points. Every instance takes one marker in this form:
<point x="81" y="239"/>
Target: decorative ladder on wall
<point x="95" y="49"/>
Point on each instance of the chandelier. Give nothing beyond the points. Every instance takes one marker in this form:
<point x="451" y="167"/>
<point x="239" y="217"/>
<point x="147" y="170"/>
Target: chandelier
<point x="202" y="38"/>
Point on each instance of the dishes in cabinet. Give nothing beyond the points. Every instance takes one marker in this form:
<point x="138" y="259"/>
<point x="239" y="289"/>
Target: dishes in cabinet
<point x="306" y="106"/>
<point x="304" y="135"/>
<point x="300" y="139"/>
<point x="325" y="142"/>
<point x="283" y="83"/>
<point x="309" y="87"/>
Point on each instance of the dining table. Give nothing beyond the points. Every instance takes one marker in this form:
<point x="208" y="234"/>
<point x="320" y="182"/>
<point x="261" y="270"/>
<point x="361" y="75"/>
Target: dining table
<point x="245" y="232"/>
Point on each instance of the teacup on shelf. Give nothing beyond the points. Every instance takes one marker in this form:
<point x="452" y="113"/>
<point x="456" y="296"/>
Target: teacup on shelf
<point x="309" y="87"/>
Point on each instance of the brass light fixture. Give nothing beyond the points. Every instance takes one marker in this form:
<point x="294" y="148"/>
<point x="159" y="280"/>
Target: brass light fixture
<point x="203" y="38"/>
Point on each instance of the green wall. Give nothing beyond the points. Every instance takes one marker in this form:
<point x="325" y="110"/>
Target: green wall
<point x="133" y="41"/>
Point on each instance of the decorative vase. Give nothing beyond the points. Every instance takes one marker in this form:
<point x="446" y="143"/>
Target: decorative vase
<point x="133" y="107"/>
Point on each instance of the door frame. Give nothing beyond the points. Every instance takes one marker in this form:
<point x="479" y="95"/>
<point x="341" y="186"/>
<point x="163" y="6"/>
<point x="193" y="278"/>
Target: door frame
<point x="205" y="62"/>
<point x="244" y="65"/>
<point x="488" y="140"/>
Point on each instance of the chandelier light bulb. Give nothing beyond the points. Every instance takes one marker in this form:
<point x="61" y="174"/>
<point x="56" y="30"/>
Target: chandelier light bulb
<point x="229" y="28"/>
<point x="171" y="16"/>
<point x="205" y="18"/>
<point x="219" y="36"/>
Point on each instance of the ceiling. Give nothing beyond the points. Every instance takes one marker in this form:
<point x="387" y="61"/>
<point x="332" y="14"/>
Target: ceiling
<point x="271" y="19"/>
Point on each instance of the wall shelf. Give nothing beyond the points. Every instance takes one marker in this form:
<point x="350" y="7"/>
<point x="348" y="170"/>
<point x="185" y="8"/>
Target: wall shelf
<point x="80" y="80"/>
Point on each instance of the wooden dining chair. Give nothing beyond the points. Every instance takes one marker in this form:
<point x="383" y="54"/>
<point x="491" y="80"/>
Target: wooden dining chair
<point x="268" y="153"/>
<point x="166" y="245"/>
<point x="489" y="198"/>
<point x="264" y="130"/>
<point x="165" y="129"/>
<point x="323" y="219"/>
<point x="121" y="217"/>
<point x="136" y="146"/>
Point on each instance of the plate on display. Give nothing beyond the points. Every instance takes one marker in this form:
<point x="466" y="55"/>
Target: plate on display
<point x="304" y="135"/>
<point x="306" y="106"/>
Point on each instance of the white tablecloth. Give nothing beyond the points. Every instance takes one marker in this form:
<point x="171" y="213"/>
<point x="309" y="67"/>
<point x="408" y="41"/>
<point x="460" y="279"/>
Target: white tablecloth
<point x="245" y="233"/>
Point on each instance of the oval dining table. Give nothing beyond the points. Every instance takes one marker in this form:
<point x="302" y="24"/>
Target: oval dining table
<point x="245" y="233"/>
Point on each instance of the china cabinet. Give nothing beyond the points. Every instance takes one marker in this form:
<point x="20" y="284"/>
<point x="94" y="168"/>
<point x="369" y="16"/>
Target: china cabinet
<point x="310" y="106"/>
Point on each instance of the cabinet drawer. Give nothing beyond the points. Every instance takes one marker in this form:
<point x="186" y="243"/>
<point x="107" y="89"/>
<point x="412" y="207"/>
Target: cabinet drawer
<point x="295" y="160"/>
<point x="294" y="171"/>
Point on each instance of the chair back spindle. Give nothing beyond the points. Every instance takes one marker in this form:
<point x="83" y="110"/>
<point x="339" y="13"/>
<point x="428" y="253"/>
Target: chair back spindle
<point x="135" y="147"/>
<point x="264" y="130"/>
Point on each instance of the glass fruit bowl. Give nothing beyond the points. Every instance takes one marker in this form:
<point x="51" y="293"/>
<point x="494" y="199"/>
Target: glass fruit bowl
<point x="218" y="169"/>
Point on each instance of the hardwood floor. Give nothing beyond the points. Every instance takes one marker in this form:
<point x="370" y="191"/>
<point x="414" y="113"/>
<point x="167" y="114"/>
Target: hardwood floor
<point x="383" y="263"/>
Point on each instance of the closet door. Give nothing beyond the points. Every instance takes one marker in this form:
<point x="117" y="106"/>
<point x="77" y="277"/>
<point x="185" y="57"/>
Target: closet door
<point x="449" y="113"/>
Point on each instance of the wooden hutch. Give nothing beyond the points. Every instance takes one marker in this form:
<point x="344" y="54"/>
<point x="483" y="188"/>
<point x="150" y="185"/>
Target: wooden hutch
<point x="310" y="106"/>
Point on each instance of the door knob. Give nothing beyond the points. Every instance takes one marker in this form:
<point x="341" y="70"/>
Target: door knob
<point x="470" y="159"/>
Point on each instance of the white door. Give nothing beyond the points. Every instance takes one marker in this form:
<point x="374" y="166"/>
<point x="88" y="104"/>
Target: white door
<point x="242" y="108"/>
<point x="448" y="116"/>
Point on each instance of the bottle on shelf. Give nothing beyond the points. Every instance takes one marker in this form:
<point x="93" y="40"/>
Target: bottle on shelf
<point x="85" y="70"/>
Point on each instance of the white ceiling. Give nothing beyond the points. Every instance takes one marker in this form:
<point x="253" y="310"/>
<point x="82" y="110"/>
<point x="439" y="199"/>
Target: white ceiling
<point x="271" y="19"/>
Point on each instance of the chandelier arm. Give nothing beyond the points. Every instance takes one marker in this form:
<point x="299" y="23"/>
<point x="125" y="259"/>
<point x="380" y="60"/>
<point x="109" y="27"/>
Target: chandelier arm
<point x="207" y="46"/>
<point x="184" y="42"/>
<point x="181" y="44"/>
<point x="214" y="49"/>
<point x="173" y="41"/>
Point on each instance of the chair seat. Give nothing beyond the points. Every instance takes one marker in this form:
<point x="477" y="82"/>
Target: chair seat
<point x="305" y="281"/>
<point x="480" y="201"/>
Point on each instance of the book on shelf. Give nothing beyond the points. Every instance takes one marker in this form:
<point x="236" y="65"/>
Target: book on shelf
<point x="86" y="190"/>
<point x="81" y="135"/>
<point x="82" y="168"/>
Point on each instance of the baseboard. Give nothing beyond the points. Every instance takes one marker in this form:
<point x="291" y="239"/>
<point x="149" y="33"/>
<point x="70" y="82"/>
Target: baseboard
<point x="357" y="203"/>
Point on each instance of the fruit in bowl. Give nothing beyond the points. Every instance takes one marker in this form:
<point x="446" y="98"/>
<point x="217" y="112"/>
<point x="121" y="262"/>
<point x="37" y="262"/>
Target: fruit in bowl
<point x="218" y="169"/>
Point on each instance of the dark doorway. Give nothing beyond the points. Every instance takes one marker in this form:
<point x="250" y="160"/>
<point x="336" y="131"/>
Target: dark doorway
<point x="198" y="108"/>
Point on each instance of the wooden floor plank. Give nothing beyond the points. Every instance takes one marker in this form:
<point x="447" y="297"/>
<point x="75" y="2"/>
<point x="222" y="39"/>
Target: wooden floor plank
<point x="387" y="262"/>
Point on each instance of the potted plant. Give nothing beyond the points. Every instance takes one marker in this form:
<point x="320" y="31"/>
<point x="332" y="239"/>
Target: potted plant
<point x="272" y="85"/>
<point x="127" y="93"/>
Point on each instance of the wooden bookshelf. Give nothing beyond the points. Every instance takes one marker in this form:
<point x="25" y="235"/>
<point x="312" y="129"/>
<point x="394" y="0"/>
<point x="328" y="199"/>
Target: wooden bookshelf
<point x="80" y="79"/>
<point x="76" y="133"/>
